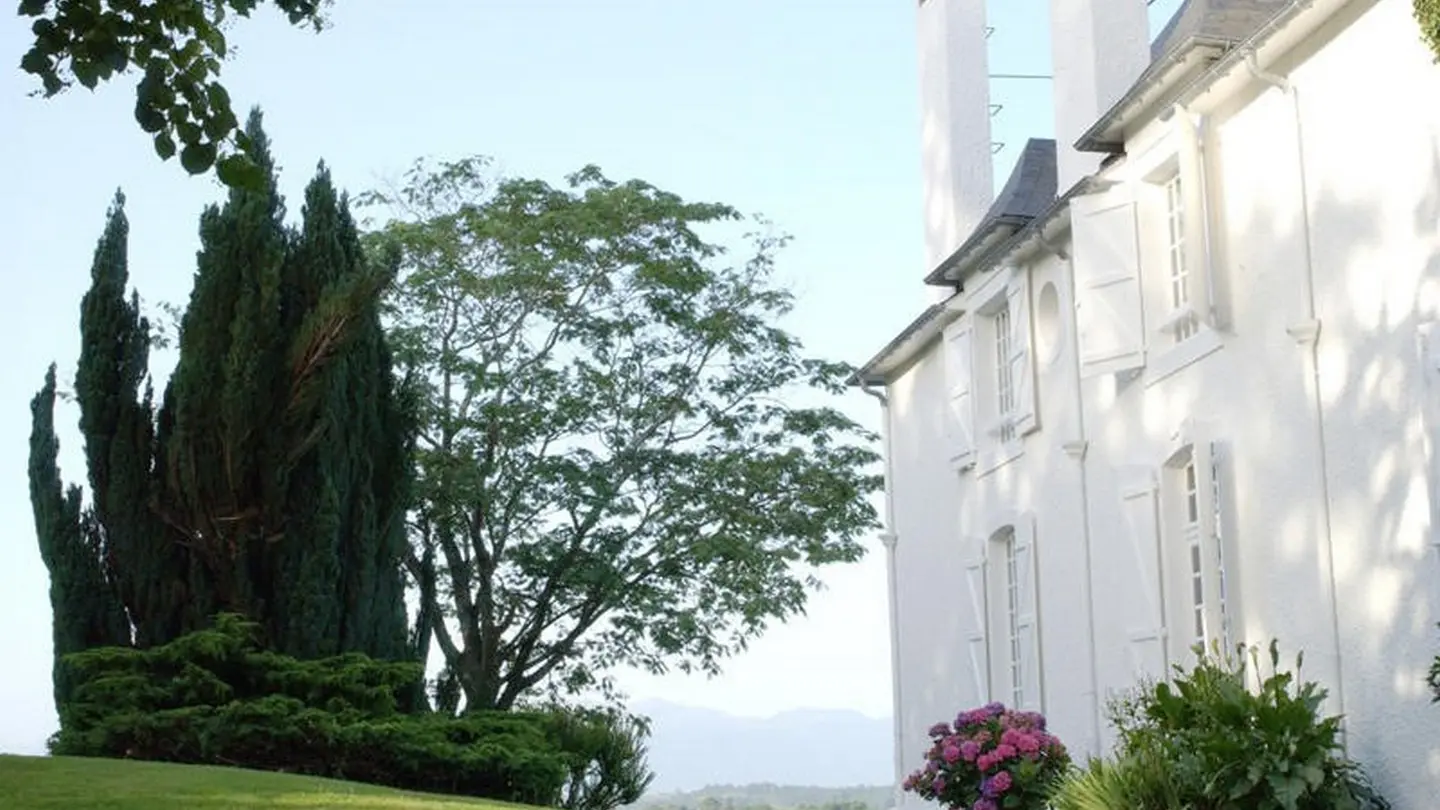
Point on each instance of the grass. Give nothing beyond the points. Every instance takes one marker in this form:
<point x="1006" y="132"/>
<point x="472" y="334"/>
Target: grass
<point x="67" y="783"/>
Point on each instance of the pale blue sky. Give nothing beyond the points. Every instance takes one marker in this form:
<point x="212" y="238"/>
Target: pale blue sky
<point x="806" y="112"/>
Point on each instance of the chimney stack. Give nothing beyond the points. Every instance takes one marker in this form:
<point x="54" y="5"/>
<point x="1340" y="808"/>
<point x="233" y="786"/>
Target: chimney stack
<point x="958" y="177"/>
<point x="1099" y="48"/>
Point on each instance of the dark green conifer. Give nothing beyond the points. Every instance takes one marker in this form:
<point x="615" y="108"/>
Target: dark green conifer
<point x="273" y="480"/>
<point x="116" y="421"/>
<point x="85" y="609"/>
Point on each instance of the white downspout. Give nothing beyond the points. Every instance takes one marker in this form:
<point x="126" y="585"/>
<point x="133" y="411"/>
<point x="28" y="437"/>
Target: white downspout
<point x="1077" y="449"/>
<point x="891" y="539"/>
<point x="1307" y="333"/>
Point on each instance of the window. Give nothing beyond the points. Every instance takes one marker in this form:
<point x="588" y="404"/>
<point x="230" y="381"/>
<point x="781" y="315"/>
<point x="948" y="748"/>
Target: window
<point x="1004" y="369"/>
<point x="1183" y="322"/>
<point x="1194" y="554"/>
<point x="1219" y="537"/>
<point x="1012" y="609"/>
<point x="1014" y="640"/>
<point x="1005" y="374"/>
<point x="1196" y="597"/>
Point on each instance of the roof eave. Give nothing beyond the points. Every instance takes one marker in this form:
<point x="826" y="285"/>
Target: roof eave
<point x="994" y="232"/>
<point x="1107" y="135"/>
<point x="897" y="354"/>
<point x="1037" y="232"/>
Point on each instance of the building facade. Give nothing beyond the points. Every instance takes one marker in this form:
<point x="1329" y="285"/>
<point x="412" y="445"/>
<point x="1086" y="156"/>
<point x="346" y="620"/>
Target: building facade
<point x="1180" y="382"/>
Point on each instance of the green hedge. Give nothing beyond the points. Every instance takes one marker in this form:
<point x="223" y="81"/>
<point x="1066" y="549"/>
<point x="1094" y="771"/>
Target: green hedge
<point x="216" y="697"/>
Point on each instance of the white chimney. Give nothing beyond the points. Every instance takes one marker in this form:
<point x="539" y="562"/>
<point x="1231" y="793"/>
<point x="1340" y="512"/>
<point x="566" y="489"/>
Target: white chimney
<point x="955" y="124"/>
<point x="1099" y="48"/>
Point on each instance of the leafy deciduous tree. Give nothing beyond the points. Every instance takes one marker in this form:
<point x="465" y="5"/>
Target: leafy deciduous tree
<point x="612" y="469"/>
<point x="178" y="46"/>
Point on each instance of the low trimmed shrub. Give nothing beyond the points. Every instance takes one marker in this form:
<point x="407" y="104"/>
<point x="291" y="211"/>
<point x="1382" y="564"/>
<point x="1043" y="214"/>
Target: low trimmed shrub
<point x="215" y="697"/>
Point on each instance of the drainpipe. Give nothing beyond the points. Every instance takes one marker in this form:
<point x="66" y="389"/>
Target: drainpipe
<point x="1307" y="333"/>
<point x="890" y="539"/>
<point x="1076" y="449"/>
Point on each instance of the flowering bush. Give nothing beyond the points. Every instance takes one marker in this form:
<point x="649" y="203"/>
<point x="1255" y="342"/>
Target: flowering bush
<point x="992" y="758"/>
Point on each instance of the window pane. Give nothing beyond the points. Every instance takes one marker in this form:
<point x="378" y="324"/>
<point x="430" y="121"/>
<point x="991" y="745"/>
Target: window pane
<point x="1004" y="373"/>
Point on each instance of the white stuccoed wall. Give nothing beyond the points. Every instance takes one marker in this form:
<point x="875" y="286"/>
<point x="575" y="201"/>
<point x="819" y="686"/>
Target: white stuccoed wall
<point x="1372" y="160"/>
<point x="1372" y="206"/>
<point x="944" y="518"/>
<point x="958" y="178"/>
<point x="1098" y="48"/>
<point x="928" y="569"/>
<point x="1367" y="219"/>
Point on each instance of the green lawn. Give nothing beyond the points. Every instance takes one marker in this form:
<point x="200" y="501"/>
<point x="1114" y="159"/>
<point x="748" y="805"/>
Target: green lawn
<point x="64" y="783"/>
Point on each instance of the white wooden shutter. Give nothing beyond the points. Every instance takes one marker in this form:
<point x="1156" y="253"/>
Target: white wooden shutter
<point x="960" y="393"/>
<point x="1106" y="261"/>
<point x="1022" y="357"/>
<point x="975" y="645"/>
<point x="1026" y="572"/>
<point x="1146" y="618"/>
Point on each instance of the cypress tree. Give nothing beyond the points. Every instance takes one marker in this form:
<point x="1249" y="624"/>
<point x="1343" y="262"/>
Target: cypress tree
<point x="219" y="485"/>
<point x="274" y="478"/>
<point x="117" y="424"/>
<point x="353" y="536"/>
<point x="285" y="447"/>
<point x="86" y="611"/>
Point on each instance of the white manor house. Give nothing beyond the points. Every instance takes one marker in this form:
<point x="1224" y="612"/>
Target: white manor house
<point x="1180" y="379"/>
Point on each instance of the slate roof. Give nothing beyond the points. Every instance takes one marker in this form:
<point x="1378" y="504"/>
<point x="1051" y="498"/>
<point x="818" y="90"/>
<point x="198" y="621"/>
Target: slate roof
<point x="1031" y="186"/>
<point x="1223" y="22"/>
<point x="1028" y="192"/>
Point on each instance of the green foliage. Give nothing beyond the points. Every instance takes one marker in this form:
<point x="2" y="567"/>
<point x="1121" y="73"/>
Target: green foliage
<point x="178" y="46"/>
<point x="284" y="446"/>
<point x="605" y="758"/>
<point x="1206" y="738"/>
<point x="273" y="479"/>
<point x="613" y="466"/>
<point x="216" y="696"/>
<point x="1427" y="14"/>
<point x="87" y="611"/>
<point x="1138" y="781"/>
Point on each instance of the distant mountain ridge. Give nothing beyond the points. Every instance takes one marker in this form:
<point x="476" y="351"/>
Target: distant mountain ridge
<point x="693" y="748"/>
<point x="770" y="797"/>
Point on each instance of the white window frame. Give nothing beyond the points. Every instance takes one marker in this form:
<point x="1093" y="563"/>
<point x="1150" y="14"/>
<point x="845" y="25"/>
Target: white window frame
<point x="1176" y="246"/>
<point x="1200" y="605"/>
<point x="1181" y="322"/>
<point x="1013" y="615"/>
<point x="1002" y="333"/>
<point x="1003" y="373"/>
